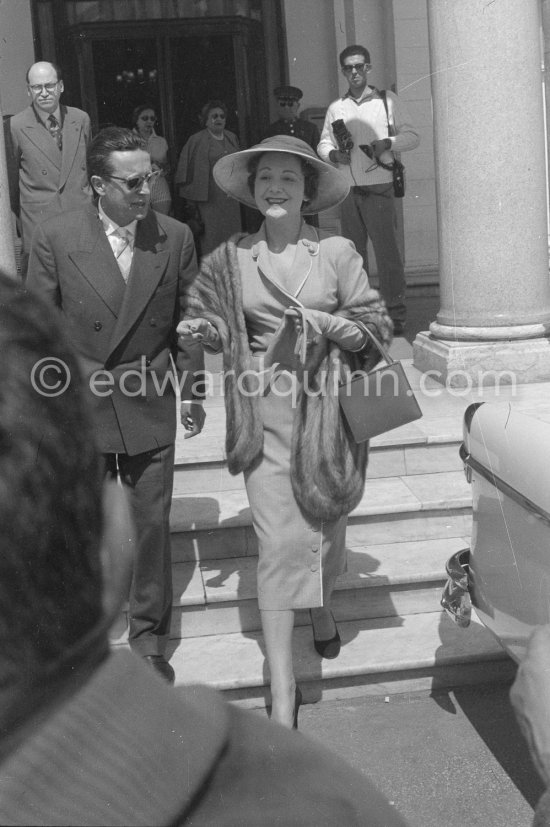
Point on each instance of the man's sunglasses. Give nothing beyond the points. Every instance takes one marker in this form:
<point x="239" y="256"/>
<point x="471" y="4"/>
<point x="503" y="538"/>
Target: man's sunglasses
<point x="286" y="101"/>
<point x="136" y="182"/>
<point x="359" y="67"/>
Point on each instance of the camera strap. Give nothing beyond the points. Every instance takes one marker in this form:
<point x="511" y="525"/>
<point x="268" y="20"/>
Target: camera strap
<point x="391" y="126"/>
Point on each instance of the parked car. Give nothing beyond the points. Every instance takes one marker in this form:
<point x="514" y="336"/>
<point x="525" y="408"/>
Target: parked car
<point x="505" y="574"/>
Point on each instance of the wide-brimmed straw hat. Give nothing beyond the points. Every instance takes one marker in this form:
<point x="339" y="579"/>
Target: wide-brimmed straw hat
<point x="231" y="173"/>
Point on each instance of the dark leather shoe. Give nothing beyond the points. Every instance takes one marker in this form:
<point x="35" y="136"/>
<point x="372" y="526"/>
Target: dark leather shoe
<point x="161" y="665"/>
<point x="330" y="648"/>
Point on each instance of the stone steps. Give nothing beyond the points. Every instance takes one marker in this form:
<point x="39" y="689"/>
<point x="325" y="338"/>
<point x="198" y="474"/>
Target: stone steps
<point x="210" y="472"/>
<point x="218" y="597"/>
<point x="215" y="524"/>
<point x="378" y="656"/>
<point x="415" y="513"/>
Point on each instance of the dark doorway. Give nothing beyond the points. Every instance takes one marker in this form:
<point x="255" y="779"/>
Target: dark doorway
<point x="176" y="67"/>
<point x="201" y="69"/>
<point x="124" y="77"/>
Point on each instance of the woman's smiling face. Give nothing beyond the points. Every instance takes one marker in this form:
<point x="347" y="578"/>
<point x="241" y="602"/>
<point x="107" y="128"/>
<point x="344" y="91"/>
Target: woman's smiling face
<point x="279" y="184"/>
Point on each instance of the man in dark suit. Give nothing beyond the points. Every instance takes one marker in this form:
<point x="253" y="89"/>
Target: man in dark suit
<point x="90" y="737"/>
<point x="49" y="144"/>
<point x="288" y="102"/>
<point x="117" y="271"/>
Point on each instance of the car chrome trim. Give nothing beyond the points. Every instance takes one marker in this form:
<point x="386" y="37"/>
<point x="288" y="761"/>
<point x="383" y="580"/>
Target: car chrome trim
<point x="469" y="414"/>
<point x="455" y="598"/>
<point x="472" y="464"/>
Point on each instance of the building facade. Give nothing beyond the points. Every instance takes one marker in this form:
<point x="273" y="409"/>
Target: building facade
<point x="177" y="54"/>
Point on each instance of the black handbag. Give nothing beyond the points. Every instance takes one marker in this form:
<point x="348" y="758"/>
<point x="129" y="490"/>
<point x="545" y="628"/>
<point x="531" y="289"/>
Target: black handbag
<point x="375" y="402"/>
<point x="397" y="168"/>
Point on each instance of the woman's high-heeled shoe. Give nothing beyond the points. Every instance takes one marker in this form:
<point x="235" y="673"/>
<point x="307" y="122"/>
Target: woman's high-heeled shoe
<point x="297" y="704"/>
<point x="330" y="648"/>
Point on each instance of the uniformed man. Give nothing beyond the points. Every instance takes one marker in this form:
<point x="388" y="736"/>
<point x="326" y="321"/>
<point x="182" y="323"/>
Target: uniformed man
<point x="288" y="103"/>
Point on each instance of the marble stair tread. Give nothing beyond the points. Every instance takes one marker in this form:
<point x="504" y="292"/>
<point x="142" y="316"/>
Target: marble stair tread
<point x="384" y="565"/>
<point x="211" y="473"/>
<point x="443" y="409"/>
<point x="379" y="646"/>
<point x="385" y="495"/>
<point x="434" y="427"/>
<point x="393" y="564"/>
<point x="397" y="461"/>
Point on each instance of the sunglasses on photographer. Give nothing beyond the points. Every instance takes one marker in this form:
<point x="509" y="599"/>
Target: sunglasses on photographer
<point x="359" y="67"/>
<point x="136" y="182"/>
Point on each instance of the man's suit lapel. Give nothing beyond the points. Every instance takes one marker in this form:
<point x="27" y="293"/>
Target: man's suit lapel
<point x="149" y="262"/>
<point x="37" y="133"/>
<point x="95" y="260"/>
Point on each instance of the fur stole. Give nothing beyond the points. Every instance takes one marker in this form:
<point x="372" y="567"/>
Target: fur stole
<point x="327" y="467"/>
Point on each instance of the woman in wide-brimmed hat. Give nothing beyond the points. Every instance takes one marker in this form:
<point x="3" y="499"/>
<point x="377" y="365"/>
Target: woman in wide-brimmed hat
<point x="287" y="305"/>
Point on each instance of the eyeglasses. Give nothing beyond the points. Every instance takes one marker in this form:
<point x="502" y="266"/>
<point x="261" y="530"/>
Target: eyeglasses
<point x="286" y="101"/>
<point x="36" y="88"/>
<point x="147" y="118"/>
<point x="358" y="67"/>
<point x="136" y="182"/>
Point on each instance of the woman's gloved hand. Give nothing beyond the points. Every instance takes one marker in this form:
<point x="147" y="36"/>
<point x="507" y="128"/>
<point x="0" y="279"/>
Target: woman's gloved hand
<point x="344" y="332"/>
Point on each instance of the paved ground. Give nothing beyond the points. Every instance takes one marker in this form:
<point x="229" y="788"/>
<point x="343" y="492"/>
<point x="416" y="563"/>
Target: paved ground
<point x="454" y="758"/>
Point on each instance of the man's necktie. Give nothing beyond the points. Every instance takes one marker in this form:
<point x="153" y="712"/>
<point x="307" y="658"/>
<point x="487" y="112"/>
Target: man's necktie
<point x="122" y="248"/>
<point x="55" y="130"/>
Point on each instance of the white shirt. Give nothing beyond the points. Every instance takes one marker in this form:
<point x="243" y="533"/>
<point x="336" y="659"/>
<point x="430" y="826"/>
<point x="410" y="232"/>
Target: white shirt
<point x="366" y="120"/>
<point x="124" y="258"/>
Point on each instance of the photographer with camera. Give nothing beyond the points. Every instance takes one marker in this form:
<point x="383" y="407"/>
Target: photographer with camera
<point x="362" y="131"/>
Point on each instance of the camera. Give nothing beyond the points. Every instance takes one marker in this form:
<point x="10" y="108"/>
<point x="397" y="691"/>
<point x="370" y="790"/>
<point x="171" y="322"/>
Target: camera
<point x="342" y="136"/>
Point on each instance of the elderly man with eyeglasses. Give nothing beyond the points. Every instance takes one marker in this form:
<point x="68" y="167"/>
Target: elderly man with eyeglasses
<point x="117" y="271"/>
<point x="360" y="136"/>
<point x="49" y="143"/>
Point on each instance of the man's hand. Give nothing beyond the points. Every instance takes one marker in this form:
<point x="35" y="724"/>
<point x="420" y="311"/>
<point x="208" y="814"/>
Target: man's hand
<point x="380" y="146"/>
<point x="339" y="157"/>
<point x="198" y="331"/>
<point x="192" y="418"/>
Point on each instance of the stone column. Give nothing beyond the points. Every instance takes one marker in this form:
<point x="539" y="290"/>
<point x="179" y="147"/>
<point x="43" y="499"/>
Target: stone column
<point x="490" y="150"/>
<point x="7" y="251"/>
<point x="545" y="12"/>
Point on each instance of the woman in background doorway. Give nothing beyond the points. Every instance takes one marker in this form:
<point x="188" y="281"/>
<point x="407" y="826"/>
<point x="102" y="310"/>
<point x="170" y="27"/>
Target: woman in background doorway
<point x="143" y="121"/>
<point x="220" y="215"/>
